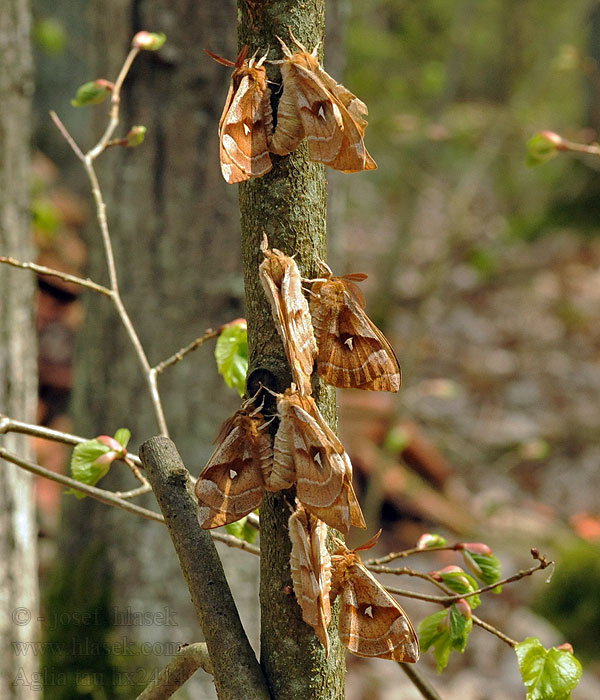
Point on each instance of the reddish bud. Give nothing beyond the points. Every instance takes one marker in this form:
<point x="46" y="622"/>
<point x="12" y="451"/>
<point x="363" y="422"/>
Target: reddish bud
<point x="475" y="547"/>
<point x="463" y="608"/>
<point x="111" y="442"/>
<point x="429" y="539"/>
<point x="106" y="458"/>
<point x="565" y="646"/>
<point x="135" y="136"/>
<point x="148" y="41"/>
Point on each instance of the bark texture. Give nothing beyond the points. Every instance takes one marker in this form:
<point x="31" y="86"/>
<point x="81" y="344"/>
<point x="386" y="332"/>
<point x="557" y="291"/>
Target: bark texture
<point x="175" y="232"/>
<point x="18" y="375"/>
<point x="236" y="671"/>
<point x="288" y="204"/>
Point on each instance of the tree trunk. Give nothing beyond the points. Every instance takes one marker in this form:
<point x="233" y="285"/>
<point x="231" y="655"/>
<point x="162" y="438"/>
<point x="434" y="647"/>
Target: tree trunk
<point x="175" y="233"/>
<point x="288" y="204"/>
<point x="18" y="375"/>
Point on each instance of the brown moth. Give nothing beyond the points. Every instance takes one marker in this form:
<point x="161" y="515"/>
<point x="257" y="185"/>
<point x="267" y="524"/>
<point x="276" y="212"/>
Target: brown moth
<point x="371" y="621"/>
<point x="232" y="483"/>
<point x="307" y="452"/>
<point x="282" y="283"/>
<point x="352" y="351"/>
<point x="315" y="106"/>
<point x="246" y="124"/>
<point x="310" y="564"/>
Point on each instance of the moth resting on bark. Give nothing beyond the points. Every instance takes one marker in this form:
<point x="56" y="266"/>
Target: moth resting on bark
<point x="315" y="106"/>
<point x="246" y="124"/>
<point x="371" y="622"/>
<point x="232" y="483"/>
<point x="310" y="564"/>
<point x="307" y="452"/>
<point x="282" y="283"/>
<point x="352" y="351"/>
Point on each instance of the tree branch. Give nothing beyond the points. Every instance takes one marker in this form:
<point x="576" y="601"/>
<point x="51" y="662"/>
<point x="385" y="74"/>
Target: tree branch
<point x="180" y="354"/>
<point x="43" y="270"/>
<point x="419" y="681"/>
<point x="226" y="640"/>
<point x="187" y="661"/>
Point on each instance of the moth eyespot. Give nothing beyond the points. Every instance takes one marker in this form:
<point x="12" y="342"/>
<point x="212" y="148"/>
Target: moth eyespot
<point x="232" y="473"/>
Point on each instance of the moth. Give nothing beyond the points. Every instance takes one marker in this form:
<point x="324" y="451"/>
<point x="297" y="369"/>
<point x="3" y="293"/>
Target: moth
<point x="246" y="123"/>
<point x="282" y="283"/>
<point x="232" y="483"/>
<point x="307" y="452"/>
<point x="371" y="622"/>
<point x="315" y="106"/>
<point x="352" y="351"/>
<point x="310" y="564"/>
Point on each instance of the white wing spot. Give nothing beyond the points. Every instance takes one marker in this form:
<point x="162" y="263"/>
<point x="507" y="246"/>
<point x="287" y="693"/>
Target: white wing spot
<point x="317" y="459"/>
<point x="246" y="129"/>
<point x="369" y="611"/>
<point x="349" y="342"/>
<point x="232" y="473"/>
<point x="321" y="112"/>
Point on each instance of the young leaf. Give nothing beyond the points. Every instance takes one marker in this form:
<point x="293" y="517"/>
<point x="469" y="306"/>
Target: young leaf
<point x="461" y="582"/>
<point x="92" y="93"/>
<point x="122" y="436"/>
<point x="485" y="566"/>
<point x="242" y="530"/>
<point x="430" y="539"/>
<point x="542" y="147"/>
<point x="231" y="354"/>
<point x="459" y="628"/>
<point x="148" y="41"/>
<point x="548" y="674"/>
<point x="434" y="631"/>
<point x="90" y="461"/>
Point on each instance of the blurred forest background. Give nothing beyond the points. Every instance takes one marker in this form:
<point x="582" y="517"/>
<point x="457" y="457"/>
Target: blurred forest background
<point x="484" y="274"/>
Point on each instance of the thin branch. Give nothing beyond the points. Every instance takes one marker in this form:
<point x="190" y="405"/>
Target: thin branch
<point x="43" y="270"/>
<point x="409" y="552"/>
<point x="186" y="662"/>
<point x="419" y="681"/>
<point x="67" y="136"/>
<point x="101" y="495"/>
<point x="493" y="630"/>
<point x="115" y="103"/>
<point x="10" y="425"/>
<point x="180" y="354"/>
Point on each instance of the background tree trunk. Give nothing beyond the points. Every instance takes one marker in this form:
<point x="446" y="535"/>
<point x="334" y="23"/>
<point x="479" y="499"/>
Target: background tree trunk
<point x="176" y="239"/>
<point x="18" y="375"/>
<point x="288" y="204"/>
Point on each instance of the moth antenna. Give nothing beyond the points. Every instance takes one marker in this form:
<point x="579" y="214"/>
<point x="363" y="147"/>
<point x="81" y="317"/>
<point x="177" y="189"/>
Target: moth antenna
<point x="220" y="59"/>
<point x="325" y="267"/>
<point x="298" y="44"/>
<point x="314" y="51"/>
<point x="266" y="388"/>
<point x="310" y="291"/>
<point x="266" y="424"/>
<point x="284" y="47"/>
<point x="264" y="246"/>
<point x="262" y="59"/>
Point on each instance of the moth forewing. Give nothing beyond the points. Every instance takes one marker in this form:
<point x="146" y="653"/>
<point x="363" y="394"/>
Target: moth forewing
<point x="352" y="351"/>
<point x="315" y="106"/>
<point x="282" y="284"/>
<point x="310" y="564"/>
<point x="246" y="123"/>
<point x="232" y="483"/>
<point x="371" y="622"/>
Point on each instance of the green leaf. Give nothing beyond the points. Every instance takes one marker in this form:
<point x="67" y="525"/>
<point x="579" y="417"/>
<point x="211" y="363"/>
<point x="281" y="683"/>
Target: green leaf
<point x="459" y="628"/>
<point x="547" y="674"/>
<point x="485" y="566"/>
<point x="542" y="147"/>
<point x="122" y="436"/>
<point x="148" y="41"/>
<point x="50" y="35"/>
<point x="432" y="628"/>
<point x="441" y="652"/>
<point x="135" y="136"/>
<point x="91" y="93"/>
<point x="242" y="530"/>
<point x="397" y="440"/>
<point x="431" y="539"/>
<point x="231" y="354"/>
<point x="84" y="467"/>
<point x="461" y="582"/>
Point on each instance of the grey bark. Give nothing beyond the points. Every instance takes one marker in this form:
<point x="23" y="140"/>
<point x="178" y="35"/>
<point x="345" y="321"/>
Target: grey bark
<point x="174" y="227"/>
<point x="18" y="374"/>
<point x="236" y="671"/>
<point x="288" y="204"/>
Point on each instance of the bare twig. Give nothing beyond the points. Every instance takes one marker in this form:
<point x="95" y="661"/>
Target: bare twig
<point x="420" y="682"/>
<point x="186" y="662"/>
<point x="493" y="630"/>
<point x="101" y="495"/>
<point x="409" y="552"/>
<point x="43" y="270"/>
<point x="67" y="136"/>
<point x="180" y="354"/>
